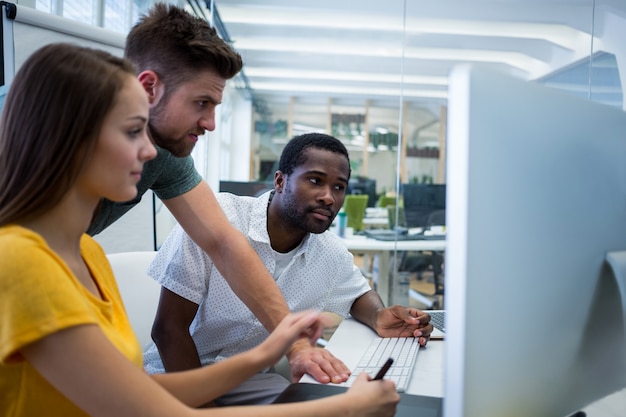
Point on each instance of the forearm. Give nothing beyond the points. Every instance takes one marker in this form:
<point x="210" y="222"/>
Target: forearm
<point x="198" y="386"/>
<point x="178" y="353"/>
<point x="170" y="332"/>
<point x="365" y="309"/>
<point x="333" y="406"/>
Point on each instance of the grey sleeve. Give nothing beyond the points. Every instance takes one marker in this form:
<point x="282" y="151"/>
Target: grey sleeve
<point x="168" y="176"/>
<point x="177" y="176"/>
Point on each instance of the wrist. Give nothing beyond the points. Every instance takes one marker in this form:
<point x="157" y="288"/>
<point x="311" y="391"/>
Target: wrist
<point x="300" y="344"/>
<point x="374" y="318"/>
<point x="259" y="357"/>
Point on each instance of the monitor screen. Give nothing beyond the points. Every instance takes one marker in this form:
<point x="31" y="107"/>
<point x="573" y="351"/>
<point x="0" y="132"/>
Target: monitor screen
<point x="536" y="198"/>
<point x="421" y="202"/>
<point x="363" y="185"/>
<point x="249" y="188"/>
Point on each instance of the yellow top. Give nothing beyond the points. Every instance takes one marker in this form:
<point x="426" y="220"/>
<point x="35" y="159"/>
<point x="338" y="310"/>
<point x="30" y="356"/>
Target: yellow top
<point x="39" y="295"/>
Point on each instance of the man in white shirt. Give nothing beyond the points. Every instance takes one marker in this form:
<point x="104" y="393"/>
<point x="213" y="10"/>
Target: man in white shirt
<point x="200" y="320"/>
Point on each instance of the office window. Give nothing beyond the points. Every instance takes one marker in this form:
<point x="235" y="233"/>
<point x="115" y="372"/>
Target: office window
<point x="46" y="6"/>
<point x="116" y="14"/>
<point x="595" y="78"/>
<point x="84" y="11"/>
<point x="80" y="10"/>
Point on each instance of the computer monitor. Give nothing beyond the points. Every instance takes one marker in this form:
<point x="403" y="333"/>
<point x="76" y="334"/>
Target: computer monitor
<point x="536" y="198"/>
<point x="363" y="185"/>
<point x="421" y="201"/>
<point x="249" y="188"/>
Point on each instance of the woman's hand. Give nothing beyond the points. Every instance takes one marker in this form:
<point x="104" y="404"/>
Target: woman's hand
<point x="373" y="398"/>
<point x="305" y="324"/>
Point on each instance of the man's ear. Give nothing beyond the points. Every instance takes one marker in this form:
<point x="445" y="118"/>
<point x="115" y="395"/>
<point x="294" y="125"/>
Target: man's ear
<point x="153" y="85"/>
<point x="279" y="181"/>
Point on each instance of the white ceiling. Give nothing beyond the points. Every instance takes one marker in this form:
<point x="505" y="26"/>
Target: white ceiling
<point x="379" y="50"/>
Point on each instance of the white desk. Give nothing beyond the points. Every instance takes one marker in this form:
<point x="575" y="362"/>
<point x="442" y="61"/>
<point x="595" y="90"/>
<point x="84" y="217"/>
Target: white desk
<point x="351" y="339"/>
<point x="373" y="222"/>
<point x="385" y="249"/>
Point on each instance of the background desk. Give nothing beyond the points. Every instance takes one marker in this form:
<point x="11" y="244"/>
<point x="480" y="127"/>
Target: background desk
<point x="385" y="249"/>
<point x="375" y="222"/>
<point x="351" y="339"/>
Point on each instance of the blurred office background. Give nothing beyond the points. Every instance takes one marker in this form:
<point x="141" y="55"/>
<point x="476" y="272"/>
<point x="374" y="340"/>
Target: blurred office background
<point x="372" y="73"/>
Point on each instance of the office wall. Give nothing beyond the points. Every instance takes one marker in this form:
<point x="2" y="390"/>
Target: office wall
<point x="33" y="29"/>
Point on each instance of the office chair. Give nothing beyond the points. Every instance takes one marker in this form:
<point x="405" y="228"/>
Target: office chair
<point x="420" y="262"/>
<point x="436" y="218"/>
<point x="388" y="200"/>
<point x="140" y="293"/>
<point x="391" y="216"/>
<point x="354" y="205"/>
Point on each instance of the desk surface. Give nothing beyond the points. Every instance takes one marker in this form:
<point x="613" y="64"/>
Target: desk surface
<point x="362" y="243"/>
<point x="351" y="339"/>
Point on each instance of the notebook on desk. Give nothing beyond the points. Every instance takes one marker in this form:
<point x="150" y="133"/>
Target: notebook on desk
<point x="409" y="405"/>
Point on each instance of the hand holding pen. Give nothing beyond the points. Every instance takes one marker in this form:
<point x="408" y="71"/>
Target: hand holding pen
<point x="381" y="373"/>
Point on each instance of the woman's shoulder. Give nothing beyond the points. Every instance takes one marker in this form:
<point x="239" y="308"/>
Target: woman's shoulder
<point x="17" y="238"/>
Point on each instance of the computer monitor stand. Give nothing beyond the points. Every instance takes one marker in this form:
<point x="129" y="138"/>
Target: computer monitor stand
<point x="617" y="271"/>
<point x="617" y="262"/>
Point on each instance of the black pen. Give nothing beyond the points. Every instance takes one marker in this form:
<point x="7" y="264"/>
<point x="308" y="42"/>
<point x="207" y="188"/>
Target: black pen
<point x="384" y="369"/>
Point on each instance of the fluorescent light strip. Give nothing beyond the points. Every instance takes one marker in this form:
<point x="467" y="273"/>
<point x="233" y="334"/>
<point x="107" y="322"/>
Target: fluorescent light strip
<point x="513" y="59"/>
<point x="557" y="34"/>
<point x="343" y="76"/>
<point x="337" y="90"/>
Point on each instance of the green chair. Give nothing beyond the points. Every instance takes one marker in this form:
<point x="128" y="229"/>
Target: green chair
<point x="391" y="215"/>
<point x="386" y="200"/>
<point x="354" y="205"/>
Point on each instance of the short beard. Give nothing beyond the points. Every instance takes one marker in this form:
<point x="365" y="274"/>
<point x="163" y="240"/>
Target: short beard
<point x="297" y="218"/>
<point x="177" y="148"/>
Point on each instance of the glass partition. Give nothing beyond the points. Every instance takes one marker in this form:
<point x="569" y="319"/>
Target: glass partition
<point x="574" y="46"/>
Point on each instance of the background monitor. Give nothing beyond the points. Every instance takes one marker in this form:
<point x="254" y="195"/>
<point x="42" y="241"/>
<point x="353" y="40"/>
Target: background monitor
<point x="249" y="188"/>
<point x="536" y="197"/>
<point x="421" y="201"/>
<point x="363" y="185"/>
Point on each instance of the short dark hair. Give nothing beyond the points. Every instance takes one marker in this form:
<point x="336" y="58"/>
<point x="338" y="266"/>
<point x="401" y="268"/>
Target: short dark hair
<point x="294" y="153"/>
<point x="51" y="120"/>
<point x="177" y="45"/>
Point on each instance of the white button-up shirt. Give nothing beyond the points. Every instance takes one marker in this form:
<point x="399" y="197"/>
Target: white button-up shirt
<point x="321" y="275"/>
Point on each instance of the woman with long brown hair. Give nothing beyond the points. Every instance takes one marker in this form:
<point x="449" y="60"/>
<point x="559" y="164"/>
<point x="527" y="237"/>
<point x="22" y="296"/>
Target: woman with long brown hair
<point x="73" y="131"/>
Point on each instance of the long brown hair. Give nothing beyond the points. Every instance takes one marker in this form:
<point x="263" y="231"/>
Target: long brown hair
<point x="50" y="122"/>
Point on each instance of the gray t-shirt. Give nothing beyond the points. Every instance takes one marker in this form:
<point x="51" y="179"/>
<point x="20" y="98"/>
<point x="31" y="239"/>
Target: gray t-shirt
<point x="168" y="176"/>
